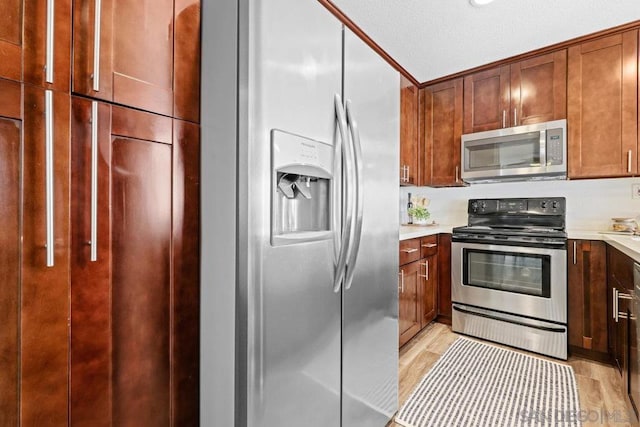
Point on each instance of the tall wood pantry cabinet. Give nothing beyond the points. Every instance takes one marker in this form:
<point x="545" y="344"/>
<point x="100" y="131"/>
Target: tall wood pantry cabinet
<point x="34" y="255"/>
<point x="99" y="232"/>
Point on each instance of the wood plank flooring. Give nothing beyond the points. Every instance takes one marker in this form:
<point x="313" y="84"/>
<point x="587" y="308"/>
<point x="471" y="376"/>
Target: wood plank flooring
<point x="599" y="385"/>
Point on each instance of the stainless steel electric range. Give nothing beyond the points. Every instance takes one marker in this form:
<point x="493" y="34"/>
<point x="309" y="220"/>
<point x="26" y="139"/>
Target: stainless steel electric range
<point x="509" y="274"/>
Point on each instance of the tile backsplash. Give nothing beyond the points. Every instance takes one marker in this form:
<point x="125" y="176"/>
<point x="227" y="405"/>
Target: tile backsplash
<point x="591" y="203"/>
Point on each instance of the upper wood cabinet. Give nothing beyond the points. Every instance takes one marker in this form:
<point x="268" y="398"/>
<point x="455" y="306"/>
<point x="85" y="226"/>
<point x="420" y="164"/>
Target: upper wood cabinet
<point x="35" y="42"/>
<point x="486" y="100"/>
<point x="440" y="132"/>
<point x="408" y="133"/>
<point x="144" y="54"/>
<point x="526" y="92"/>
<point x="34" y="255"/>
<point x="603" y="107"/>
<point x="539" y="89"/>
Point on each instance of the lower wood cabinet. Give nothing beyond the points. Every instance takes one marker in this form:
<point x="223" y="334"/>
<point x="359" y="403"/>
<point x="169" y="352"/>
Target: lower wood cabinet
<point x="587" y="297"/>
<point x="622" y="320"/>
<point x="444" y="278"/>
<point x="409" y="315"/>
<point x="418" y="285"/>
<point x="134" y="275"/>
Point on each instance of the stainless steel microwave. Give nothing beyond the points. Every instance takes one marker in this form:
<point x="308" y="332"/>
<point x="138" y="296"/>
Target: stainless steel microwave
<point x="530" y="152"/>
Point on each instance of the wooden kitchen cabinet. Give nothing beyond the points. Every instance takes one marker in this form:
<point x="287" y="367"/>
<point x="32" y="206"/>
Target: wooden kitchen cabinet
<point x="145" y="276"/>
<point x="409" y="313"/>
<point x="440" y="132"/>
<point x="603" y="107"/>
<point x="408" y="133"/>
<point x="418" y="285"/>
<point x="486" y="100"/>
<point x="622" y="324"/>
<point x="444" y="278"/>
<point x="24" y="56"/>
<point x="142" y="54"/>
<point x="587" y="296"/>
<point x="525" y="92"/>
<point x="34" y="168"/>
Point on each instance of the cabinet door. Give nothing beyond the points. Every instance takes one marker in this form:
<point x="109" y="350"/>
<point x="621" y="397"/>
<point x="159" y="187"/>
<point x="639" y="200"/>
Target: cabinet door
<point x="603" y="107"/>
<point x="444" y="278"/>
<point x="141" y="289"/>
<point x="587" y="295"/>
<point x="11" y="39"/>
<point x="486" y="100"/>
<point x="129" y="52"/>
<point x="124" y="52"/>
<point x="408" y="133"/>
<point x="44" y="313"/>
<point x="185" y="348"/>
<point x="35" y="42"/>
<point x="186" y="69"/>
<point x="90" y="276"/>
<point x="441" y="127"/>
<point x="409" y="316"/>
<point x="539" y="89"/>
<point x="429" y="289"/>
<point x="10" y="247"/>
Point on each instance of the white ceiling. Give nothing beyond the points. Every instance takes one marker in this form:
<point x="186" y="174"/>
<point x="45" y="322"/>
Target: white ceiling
<point x="436" y="38"/>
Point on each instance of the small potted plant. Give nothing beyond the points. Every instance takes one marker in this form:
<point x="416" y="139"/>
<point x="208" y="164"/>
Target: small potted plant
<point x="419" y="211"/>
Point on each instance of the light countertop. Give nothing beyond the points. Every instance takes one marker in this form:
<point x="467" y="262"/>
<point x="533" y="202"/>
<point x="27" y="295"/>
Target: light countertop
<point x="629" y="245"/>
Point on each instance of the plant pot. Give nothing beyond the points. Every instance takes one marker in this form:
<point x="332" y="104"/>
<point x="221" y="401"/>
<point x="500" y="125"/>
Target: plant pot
<point x="424" y="221"/>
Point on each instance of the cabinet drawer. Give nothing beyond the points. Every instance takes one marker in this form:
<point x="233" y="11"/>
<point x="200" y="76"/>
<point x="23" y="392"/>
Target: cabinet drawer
<point x="428" y="246"/>
<point x="409" y="251"/>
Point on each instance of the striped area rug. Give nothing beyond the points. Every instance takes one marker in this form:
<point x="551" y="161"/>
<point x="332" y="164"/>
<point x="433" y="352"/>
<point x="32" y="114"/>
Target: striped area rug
<point x="477" y="384"/>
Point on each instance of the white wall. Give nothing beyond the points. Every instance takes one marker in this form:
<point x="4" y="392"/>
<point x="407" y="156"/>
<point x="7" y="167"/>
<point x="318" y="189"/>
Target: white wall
<point x="590" y="203"/>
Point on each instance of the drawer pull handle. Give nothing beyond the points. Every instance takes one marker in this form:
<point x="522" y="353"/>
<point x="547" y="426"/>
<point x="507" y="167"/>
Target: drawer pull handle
<point x="429" y="245"/>
<point x="409" y="251"/>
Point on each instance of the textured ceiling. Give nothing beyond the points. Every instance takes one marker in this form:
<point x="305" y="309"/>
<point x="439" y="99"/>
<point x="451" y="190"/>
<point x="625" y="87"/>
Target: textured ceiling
<point x="436" y="38"/>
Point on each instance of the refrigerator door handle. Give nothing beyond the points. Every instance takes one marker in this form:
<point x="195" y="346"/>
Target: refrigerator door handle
<point x="346" y="155"/>
<point x="358" y="196"/>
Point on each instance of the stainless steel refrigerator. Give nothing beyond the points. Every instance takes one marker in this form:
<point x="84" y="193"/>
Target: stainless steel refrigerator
<point x="316" y="201"/>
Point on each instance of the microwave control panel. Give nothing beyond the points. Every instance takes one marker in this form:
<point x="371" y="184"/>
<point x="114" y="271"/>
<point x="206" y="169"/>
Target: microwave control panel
<point x="555" y="147"/>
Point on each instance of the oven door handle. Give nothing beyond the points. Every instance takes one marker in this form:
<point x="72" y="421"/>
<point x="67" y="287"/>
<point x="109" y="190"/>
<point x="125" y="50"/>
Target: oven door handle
<point x="515" y="322"/>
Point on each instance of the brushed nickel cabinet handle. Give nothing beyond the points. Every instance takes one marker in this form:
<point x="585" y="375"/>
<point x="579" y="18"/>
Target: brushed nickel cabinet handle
<point x="457" y="173"/>
<point x="429" y="245"/>
<point x="515" y="117"/>
<point x="49" y="187"/>
<point x="426" y="274"/>
<point x="409" y="251"/>
<point x="575" y="252"/>
<point x="629" y="161"/>
<point x="50" y="42"/>
<point x="614" y="304"/>
<point x="97" y="17"/>
<point x="504" y="118"/>
<point x="402" y="280"/>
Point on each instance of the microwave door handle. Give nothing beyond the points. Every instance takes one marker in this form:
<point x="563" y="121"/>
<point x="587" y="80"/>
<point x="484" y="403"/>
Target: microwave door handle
<point x="543" y="148"/>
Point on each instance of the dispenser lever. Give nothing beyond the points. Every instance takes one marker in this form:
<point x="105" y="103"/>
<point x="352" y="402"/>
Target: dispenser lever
<point x="304" y="189"/>
<point x="287" y="189"/>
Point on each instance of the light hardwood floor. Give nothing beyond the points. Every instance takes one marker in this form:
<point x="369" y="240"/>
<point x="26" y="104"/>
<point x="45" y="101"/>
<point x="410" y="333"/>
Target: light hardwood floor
<point x="599" y="385"/>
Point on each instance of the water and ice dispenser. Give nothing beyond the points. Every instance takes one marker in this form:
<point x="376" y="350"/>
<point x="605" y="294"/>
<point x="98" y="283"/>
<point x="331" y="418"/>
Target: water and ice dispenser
<point x="301" y="189"/>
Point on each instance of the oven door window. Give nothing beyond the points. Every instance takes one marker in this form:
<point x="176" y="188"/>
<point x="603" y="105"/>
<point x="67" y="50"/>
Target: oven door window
<point x="513" y="272"/>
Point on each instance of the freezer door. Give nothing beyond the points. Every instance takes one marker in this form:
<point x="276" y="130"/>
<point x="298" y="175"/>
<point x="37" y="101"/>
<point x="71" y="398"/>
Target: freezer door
<point x="289" y="315"/>
<point x="370" y="305"/>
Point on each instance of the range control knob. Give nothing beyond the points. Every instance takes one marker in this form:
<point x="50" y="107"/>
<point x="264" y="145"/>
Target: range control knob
<point x="483" y="205"/>
<point x="474" y="206"/>
<point x="554" y="205"/>
<point x="543" y="204"/>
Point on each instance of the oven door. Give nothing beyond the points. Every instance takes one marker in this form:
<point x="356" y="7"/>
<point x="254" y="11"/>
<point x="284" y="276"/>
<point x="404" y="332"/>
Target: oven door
<point x="525" y="281"/>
